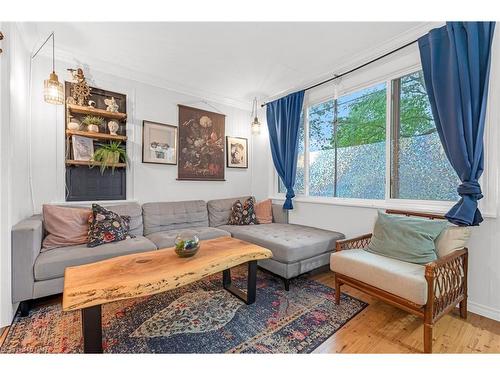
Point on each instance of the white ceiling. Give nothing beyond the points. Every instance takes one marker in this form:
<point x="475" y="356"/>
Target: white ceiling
<point x="226" y="62"/>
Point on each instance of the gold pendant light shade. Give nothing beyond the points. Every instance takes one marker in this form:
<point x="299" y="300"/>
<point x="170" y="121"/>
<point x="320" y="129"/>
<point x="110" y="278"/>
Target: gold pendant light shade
<point x="255" y="123"/>
<point x="53" y="92"/>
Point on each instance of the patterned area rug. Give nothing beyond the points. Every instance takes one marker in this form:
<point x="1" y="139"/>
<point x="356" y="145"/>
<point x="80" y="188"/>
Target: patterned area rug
<point x="199" y="318"/>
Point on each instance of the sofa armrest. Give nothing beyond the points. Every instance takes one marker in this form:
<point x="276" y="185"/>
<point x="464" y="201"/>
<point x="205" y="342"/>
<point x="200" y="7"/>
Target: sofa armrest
<point x="27" y="237"/>
<point x="446" y="282"/>
<point x="353" y="243"/>
<point x="280" y="215"/>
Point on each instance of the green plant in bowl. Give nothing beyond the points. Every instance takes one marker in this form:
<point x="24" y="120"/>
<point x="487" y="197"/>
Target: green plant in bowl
<point x="108" y="155"/>
<point x="90" y="121"/>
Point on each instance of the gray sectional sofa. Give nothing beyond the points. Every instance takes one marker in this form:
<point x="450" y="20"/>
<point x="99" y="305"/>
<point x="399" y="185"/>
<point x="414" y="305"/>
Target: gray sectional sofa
<point x="296" y="249"/>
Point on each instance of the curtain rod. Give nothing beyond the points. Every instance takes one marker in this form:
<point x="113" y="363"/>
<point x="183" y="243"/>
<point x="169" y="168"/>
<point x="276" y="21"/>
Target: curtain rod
<point x="337" y="76"/>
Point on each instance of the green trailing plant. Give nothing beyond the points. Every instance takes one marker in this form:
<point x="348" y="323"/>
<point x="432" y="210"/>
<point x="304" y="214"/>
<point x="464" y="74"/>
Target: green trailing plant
<point x="92" y="120"/>
<point x="108" y="155"/>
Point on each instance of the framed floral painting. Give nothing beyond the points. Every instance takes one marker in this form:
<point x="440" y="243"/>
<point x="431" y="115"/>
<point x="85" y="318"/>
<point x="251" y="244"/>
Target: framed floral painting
<point x="201" y="145"/>
<point x="159" y="143"/>
<point x="237" y="152"/>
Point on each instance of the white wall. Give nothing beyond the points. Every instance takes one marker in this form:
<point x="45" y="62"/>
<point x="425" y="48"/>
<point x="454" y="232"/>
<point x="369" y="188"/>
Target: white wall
<point x="146" y="182"/>
<point x="484" y="250"/>
<point x="14" y="192"/>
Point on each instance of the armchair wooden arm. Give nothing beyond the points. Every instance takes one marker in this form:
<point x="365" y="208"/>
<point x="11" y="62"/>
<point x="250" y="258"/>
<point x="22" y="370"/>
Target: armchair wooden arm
<point x="353" y="243"/>
<point x="447" y="284"/>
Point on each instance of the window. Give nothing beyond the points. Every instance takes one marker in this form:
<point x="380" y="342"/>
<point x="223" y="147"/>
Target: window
<point x="361" y="144"/>
<point x="321" y="150"/>
<point x="419" y="167"/>
<point x="346" y="146"/>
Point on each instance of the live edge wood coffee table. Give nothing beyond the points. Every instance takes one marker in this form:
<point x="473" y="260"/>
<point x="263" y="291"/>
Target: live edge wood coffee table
<point x="89" y="286"/>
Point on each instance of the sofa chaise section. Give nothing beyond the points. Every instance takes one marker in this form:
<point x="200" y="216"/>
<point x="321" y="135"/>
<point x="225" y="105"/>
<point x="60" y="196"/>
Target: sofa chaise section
<point x="296" y="249"/>
<point x="164" y="220"/>
<point x="37" y="273"/>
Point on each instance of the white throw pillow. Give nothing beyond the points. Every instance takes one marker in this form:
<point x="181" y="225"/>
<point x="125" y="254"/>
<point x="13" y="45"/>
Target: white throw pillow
<point x="451" y="239"/>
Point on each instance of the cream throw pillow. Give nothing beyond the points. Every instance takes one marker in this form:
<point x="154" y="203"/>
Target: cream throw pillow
<point x="451" y="239"/>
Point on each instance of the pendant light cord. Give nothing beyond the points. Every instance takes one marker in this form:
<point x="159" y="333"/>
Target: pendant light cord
<point x="53" y="48"/>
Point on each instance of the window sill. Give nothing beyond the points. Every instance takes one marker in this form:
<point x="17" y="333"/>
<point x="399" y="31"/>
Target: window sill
<point x="435" y="207"/>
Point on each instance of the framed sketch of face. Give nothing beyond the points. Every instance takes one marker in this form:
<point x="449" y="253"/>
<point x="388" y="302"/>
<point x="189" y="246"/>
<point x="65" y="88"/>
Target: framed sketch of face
<point x="159" y="143"/>
<point x="237" y="152"/>
<point x="83" y="148"/>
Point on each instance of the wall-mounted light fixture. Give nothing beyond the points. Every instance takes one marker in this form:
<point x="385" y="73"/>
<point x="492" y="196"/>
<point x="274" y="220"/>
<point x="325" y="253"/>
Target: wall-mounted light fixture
<point x="53" y="92"/>
<point x="255" y="123"/>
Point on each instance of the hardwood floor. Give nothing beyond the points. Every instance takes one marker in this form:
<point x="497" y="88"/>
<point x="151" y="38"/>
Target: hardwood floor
<point x="3" y="334"/>
<point x="381" y="328"/>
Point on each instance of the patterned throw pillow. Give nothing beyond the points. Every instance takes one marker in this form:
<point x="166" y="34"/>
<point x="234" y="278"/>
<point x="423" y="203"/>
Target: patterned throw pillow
<point x="105" y="226"/>
<point x="243" y="213"/>
<point x="236" y="213"/>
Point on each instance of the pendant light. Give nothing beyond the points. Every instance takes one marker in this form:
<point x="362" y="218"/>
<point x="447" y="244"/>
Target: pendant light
<point x="255" y="122"/>
<point x="53" y="92"/>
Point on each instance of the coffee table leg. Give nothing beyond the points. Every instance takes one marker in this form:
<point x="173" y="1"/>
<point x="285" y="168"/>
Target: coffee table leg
<point x="92" y="329"/>
<point x="250" y="295"/>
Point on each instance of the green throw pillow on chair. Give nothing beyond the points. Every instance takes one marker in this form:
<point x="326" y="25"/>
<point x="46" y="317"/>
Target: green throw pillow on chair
<point x="405" y="238"/>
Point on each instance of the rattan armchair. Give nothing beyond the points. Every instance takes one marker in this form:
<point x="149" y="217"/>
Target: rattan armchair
<point x="446" y="284"/>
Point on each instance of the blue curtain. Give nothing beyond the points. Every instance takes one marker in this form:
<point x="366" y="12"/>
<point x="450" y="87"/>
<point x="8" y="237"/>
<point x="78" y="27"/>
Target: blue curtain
<point x="283" y="120"/>
<point x="456" y="65"/>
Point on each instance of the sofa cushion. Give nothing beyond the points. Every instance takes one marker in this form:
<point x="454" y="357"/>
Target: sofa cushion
<point x="132" y="209"/>
<point x="220" y="209"/>
<point x="404" y="279"/>
<point x="167" y="238"/>
<point x="289" y="243"/>
<point x="52" y="263"/>
<point x="162" y="216"/>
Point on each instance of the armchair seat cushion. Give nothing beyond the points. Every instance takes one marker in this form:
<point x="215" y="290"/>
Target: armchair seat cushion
<point x="166" y="238"/>
<point x="406" y="280"/>
<point x="51" y="263"/>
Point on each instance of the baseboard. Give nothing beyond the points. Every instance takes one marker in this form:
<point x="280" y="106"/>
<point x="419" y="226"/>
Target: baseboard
<point x="483" y="310"/>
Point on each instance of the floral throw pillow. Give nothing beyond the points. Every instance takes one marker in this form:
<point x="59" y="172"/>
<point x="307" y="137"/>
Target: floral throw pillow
<point x="106" y="226"/>
<point x="243" y="213"/>
<point x="236" y="213"/>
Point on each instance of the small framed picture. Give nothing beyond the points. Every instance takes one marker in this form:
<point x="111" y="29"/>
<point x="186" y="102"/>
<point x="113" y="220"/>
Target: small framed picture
<point x="159" y="143"/>
<point x="237" y="152"/>
<point x="83" y="148"/>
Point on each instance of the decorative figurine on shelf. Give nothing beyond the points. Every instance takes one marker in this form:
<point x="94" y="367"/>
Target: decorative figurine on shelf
<point x="73" y="124"/>
<point x="92" y="103"/>
<point x="113" y="127"/>
<point x="111" y="105"/>
<point x="80" y="90"/>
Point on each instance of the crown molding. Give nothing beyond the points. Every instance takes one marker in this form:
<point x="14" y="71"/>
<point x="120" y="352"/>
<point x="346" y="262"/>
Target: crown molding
<point x="367" y="55"/>
<point x="118" y="70"/>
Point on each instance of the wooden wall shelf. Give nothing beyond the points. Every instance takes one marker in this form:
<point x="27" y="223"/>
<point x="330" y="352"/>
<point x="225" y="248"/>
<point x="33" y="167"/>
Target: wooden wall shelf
<point x="103" y="136"/>
<point x="90" y="163"/>
<point x="96" y="112"/>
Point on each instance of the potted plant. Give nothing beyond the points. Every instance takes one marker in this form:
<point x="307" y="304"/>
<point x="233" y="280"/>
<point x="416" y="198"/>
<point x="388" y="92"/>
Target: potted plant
<point x="92" y="123"/>
<point x="108" y="155"/>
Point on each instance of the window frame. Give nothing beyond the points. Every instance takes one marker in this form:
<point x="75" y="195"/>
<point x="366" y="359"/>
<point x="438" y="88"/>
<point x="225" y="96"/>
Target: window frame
<point x="434" y="206"/>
